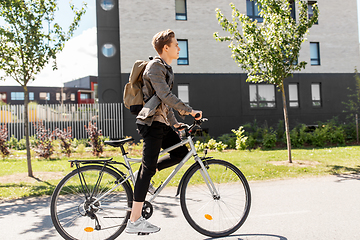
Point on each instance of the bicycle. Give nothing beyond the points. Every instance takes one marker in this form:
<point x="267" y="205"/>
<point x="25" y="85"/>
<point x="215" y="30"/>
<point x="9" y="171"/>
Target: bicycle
<point x="94" y="200"/>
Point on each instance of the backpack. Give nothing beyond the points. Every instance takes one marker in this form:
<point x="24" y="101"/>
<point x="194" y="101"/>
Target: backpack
<point x="133" y="95"/>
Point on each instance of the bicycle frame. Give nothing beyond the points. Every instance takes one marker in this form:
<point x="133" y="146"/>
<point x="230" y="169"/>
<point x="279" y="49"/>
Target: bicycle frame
<point x="192" y="152"/>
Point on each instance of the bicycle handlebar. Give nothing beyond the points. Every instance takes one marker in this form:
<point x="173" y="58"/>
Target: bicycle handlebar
<point x="197" y="123"/>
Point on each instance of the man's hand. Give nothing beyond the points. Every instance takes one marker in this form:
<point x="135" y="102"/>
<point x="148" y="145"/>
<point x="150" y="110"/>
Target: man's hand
<point x="194" y="112"/>
<point x="180" y="126"/>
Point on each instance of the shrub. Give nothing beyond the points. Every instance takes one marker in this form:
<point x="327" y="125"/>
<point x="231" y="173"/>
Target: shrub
<point x="80" y="148"/>
<point x="95" y="139"/>
<point x="199" y="146"/>
<point x="350" y="131"/>
<point x="12" y="143"/>
<point x="221" y="146"/>
<point x="269" y="139"/>
<point x="319" y="137"/>
<point x="228" y="139"/>
<point x="65" y="140"/>
<point x="240" y="143"/>
<point x="254" y="133"/>
<point x="334" y="134"/>
<point x="251" y="142"/>
<point x="21" y="145"/>
<point x="3" y="144"/>
<point x="204" y="138"/>
<point x="280" y="132"/>
<point x="299" y="136"/>
<point x="43" y="146"/>
<point x="211" y="144"/>
<point x="76" y="142"/>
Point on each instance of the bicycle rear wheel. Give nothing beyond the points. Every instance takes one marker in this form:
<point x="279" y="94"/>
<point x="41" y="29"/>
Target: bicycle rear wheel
<point x="76" y="215"/>
<point x="216" y="216"/>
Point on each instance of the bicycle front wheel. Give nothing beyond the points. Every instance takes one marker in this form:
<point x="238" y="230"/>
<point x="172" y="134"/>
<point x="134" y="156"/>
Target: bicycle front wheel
<point x="210" y="214"/>
<point x="83" y="208"/>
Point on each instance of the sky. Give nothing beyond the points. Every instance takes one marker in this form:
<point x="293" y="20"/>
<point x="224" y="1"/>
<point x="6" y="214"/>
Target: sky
<point x="79" y="57"/>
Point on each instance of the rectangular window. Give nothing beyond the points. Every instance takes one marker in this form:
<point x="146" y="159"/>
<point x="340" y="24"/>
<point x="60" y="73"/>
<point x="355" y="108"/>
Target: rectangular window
<point x="310" y="9"/>
<point x="96" y="90"/>
<point x="85" y="96"/>
<point x="3" y="97"/>
<point x="262" y="96"/>
<point x="63" y="97"/>
<point x="180" y="10"/>
<point x="315" y="53"/>
<point x="183" y="92"/>
<point x="316" y="94"/>
<point x="31" y="96"/>
<point x="44" y="96"/>
<point x="253" y="10"/>
<point x="293" y="95"/>
<point x="72" y="97"/>
<point x="17" y="96"/>
<point x="293" y="12"/>
<point x="184" y="53"/>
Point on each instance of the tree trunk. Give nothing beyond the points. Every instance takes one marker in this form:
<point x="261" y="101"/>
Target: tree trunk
<point x="26" y="123"/>
<point x="288" y="140"/>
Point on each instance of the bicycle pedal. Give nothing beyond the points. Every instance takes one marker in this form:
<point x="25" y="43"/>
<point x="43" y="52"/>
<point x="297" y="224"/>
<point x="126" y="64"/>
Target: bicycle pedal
<point x="142" y="233"/>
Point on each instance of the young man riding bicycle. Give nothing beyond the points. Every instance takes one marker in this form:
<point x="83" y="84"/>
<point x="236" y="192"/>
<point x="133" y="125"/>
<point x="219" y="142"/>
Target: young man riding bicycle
<point x="156" y="129"/>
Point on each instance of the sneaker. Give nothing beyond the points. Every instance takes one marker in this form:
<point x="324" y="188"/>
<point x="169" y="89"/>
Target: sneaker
<point x="151" y="189"/>
<point x="141" y="226"/>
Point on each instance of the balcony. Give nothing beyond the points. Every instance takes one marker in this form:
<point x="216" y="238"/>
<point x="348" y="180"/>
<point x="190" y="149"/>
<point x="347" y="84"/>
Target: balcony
<point x="86" y="101"/>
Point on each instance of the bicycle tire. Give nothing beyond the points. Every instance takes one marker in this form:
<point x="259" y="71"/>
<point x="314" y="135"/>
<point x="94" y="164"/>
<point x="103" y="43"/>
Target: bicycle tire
<point x="68" y="204"/>
<point x="211" y="216"/>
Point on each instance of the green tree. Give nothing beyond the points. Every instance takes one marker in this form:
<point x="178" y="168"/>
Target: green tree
<point x="27" y="46"/>
<point x="268" y="51"/>
<point x="353" y="104"/>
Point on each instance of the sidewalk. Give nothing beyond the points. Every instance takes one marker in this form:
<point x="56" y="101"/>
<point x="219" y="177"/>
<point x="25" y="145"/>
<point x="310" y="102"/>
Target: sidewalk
<point x="298" y="209"/>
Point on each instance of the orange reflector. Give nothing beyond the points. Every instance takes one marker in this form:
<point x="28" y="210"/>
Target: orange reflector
<point x="89" y="229"/>
<point x="208" y="217"/>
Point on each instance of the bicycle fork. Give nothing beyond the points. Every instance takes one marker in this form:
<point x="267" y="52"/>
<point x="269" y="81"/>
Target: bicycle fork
<point x="204" y="173"/>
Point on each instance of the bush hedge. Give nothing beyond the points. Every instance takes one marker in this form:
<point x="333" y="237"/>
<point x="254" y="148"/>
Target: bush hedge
<point x="322" y="134"/>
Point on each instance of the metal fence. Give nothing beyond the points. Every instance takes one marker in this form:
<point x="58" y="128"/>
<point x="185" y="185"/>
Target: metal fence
<point x="107" y="116"/>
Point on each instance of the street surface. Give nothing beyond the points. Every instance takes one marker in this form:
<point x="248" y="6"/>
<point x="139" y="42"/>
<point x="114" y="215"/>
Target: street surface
<point x="298" y="209"/>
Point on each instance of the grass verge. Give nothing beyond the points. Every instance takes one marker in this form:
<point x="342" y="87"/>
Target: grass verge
<point x="256" y="165"/>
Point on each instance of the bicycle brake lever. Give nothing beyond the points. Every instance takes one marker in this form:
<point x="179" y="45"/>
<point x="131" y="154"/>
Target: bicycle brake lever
<point x="183" y="127"/>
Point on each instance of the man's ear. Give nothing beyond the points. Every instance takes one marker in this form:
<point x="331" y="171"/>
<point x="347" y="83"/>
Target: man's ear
<point x="166" y="48"/>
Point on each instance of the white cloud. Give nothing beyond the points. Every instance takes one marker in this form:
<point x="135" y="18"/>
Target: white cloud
<point x="78" y="59"/>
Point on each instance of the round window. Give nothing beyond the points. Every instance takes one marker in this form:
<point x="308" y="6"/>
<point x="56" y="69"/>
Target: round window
<point x="108" y="50"/>
<point x="107" y="5"/>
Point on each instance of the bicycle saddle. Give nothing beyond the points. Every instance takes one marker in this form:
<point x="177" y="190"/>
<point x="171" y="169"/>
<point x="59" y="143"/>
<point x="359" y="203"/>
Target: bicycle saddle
<point x="118" y="143"/>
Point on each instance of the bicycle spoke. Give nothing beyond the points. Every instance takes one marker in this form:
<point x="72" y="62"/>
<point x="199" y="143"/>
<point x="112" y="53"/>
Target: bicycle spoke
<point x="218" y="215"/>
<point x="100" y="215"/>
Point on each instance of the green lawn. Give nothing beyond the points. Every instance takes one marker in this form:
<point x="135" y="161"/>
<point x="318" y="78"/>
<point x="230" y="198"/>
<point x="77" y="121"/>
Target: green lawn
<point x="256" y="165"/>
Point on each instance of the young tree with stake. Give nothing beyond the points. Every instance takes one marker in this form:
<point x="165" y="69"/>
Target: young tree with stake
<point x="26" y="47"/>
<point x="268" y="51"/>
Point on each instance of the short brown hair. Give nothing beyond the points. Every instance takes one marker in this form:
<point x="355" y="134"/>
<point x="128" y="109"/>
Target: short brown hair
<point x="161" y="39"/>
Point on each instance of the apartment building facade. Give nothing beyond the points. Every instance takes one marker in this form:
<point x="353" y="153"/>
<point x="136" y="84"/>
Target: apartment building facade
<point x="207" y="77"/>
<point x="79" y="91"/>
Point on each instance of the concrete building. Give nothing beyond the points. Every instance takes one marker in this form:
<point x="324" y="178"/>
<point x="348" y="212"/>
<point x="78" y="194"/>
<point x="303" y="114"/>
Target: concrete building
<point x="207" y="77"/>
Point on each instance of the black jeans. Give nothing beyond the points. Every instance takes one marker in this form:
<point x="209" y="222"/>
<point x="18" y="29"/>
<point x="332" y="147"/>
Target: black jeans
<point x="156" y="136"/>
